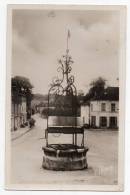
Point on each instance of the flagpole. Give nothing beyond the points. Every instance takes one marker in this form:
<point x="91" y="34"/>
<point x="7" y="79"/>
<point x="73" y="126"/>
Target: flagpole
<point x="67" y="51"/>
<point x="67" y="44"/>
<point x="68" y="36"/>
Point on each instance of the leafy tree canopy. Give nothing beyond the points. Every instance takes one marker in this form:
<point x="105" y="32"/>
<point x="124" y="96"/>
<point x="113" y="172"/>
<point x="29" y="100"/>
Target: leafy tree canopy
<point x="97" y="88"/>
<point x="21" y="86"/>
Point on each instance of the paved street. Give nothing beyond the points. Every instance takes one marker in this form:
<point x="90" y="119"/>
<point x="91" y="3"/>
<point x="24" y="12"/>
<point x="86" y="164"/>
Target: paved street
<point x="27" y="158"/>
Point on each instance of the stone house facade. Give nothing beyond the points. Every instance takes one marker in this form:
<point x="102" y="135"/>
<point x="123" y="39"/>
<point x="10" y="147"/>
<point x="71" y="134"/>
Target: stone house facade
<point x="102" y="112"/>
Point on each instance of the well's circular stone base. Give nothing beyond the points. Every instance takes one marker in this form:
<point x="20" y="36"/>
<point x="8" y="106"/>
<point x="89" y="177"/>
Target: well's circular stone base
<point x="65" y="157"/>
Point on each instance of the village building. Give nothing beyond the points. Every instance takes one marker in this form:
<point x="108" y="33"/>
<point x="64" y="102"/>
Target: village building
<point x="21" y="96"/>
<point x="18" y="113"/>
<point x="102" y="111"/>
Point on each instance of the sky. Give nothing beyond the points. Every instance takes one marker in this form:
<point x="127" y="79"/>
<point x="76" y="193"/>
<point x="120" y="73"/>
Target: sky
<point x="39" y="40"/>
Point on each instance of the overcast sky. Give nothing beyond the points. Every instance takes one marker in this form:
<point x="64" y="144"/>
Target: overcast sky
<point x="39" y="40"/>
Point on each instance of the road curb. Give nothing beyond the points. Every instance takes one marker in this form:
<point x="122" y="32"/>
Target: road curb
<point x="21" y="134"/>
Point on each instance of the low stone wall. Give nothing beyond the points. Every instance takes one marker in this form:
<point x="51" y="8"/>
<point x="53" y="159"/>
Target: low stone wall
<point x="65" y="159"/>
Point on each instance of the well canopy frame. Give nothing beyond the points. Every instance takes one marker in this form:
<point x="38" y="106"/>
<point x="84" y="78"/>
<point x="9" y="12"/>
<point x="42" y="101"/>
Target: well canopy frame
<point x="63" y="103"/>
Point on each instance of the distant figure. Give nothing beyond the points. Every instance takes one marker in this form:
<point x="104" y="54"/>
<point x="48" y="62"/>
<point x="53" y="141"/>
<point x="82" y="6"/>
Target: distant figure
<point x="33" y="111"/>
<point x="28" y="114"/>
<point x="32" y="122"/>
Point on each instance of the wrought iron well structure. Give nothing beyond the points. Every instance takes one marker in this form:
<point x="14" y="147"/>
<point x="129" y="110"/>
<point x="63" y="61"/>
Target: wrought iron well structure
<point x="62" y="118"/>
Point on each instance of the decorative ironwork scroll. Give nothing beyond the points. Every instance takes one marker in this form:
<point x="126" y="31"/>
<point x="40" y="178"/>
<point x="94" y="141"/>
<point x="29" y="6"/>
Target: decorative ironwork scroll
<point x="62" y="96"/>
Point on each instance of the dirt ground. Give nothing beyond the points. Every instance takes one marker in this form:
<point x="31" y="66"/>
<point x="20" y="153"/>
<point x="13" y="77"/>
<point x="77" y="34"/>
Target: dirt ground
<point x="27" y="156"/>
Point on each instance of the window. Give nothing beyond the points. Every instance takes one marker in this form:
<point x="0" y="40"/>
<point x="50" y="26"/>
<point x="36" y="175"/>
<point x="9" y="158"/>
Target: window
<point x="113" y="122"/>
<point x="93" y="121"/>
<point x="103" y="121"/>
<point x="113" y="107"/>
<point x="91" y="107"/>
<point x="103" y="107"/>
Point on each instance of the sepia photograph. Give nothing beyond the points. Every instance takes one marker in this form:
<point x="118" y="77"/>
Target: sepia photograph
<point x="65" y="97"/>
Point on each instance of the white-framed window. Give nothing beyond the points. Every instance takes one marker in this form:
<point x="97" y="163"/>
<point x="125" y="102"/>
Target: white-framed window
<point x="113" y="107"/>
<point x="103" y="107"/>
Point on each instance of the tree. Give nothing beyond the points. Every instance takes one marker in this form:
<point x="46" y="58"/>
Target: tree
<point x="80" y="96"/>
<point x="80" y="92"/>
<point x="97" y="87"/>
<point x="21" y="87"/>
